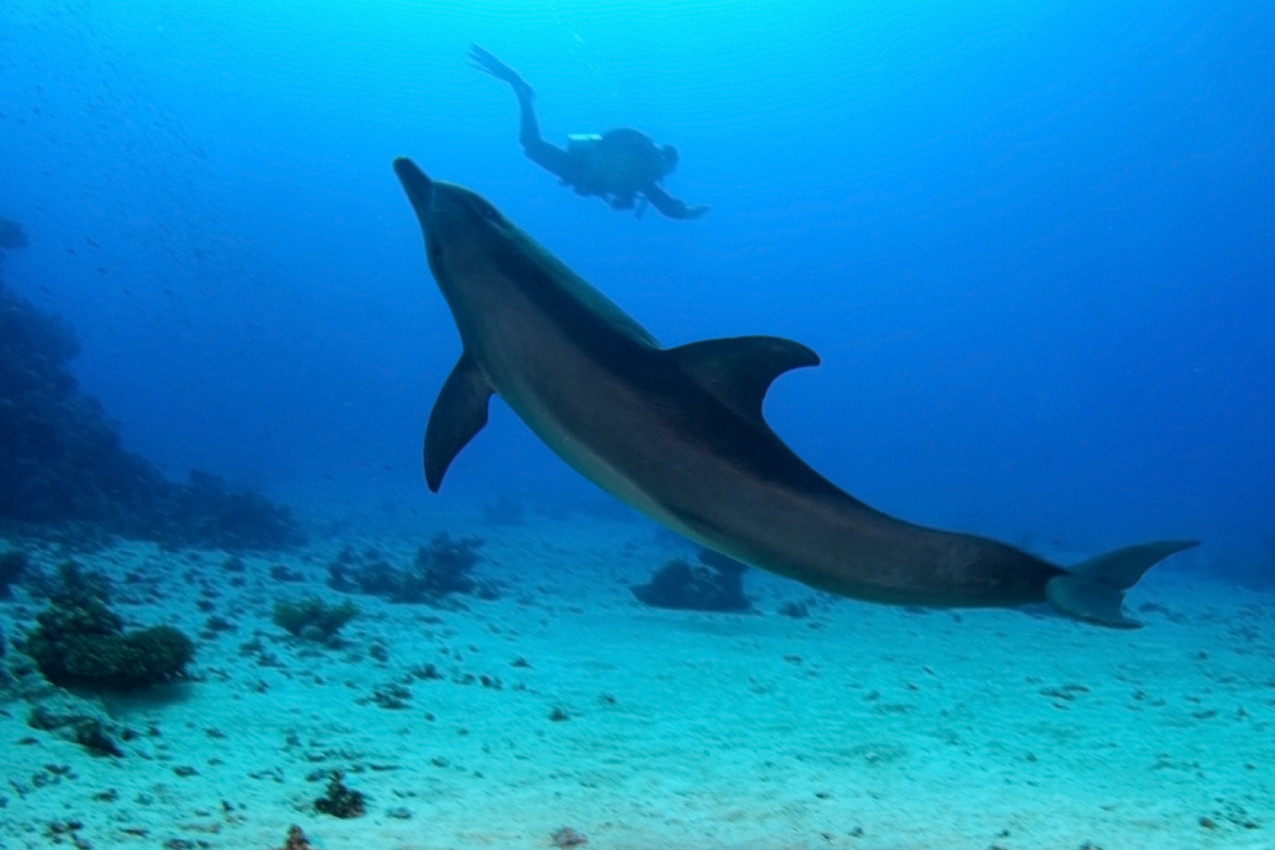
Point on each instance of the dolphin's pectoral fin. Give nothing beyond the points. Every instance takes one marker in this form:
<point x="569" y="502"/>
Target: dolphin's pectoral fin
<point x="459" y="413"/>
<point x="739" y="370"/>
<point x="1093" y="590"/>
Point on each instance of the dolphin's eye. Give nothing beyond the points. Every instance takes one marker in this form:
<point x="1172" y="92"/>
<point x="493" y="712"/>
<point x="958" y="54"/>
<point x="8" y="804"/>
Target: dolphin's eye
<point x="486" y="210"/>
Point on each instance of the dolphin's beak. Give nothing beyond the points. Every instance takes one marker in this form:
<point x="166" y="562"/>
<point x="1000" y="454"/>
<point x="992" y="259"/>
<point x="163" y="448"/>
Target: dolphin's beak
<point x="419" y="188"/>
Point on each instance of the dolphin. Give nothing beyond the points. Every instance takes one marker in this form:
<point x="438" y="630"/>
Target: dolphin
<point x="678" y="433"/>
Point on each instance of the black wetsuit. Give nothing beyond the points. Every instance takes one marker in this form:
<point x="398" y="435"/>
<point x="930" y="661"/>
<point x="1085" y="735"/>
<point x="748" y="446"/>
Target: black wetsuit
<point x="617" y="166"/>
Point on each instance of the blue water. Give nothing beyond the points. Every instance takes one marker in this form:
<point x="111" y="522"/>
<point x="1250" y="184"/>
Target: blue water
<point x="1033" y="242"/>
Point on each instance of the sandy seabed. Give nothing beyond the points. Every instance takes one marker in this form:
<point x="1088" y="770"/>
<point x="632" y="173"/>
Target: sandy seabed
<point x="565" y="702"/>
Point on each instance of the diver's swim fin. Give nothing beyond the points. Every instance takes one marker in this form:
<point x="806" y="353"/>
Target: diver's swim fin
<point x="1093" y="590"/>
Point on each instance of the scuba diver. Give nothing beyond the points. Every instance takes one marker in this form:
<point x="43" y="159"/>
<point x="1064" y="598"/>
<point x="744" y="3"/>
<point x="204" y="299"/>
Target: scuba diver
<point x="622" y="166"/>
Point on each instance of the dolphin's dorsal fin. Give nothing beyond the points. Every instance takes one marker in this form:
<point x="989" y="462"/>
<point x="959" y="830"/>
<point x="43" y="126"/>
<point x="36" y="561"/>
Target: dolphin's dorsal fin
<point x="459" y="413"/>
<point x="739" y="370"/>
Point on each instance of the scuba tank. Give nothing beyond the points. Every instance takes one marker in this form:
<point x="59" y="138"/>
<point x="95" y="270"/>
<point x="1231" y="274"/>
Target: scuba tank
<point x="614" y="165"/>
<point x="579" y="142"/>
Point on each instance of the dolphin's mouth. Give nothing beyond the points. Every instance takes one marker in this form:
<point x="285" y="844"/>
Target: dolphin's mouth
<point x="419" y="188"/>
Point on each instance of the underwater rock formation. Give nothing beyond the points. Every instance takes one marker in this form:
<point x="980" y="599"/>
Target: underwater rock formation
<point x="714" y="584"/>
<point x="80" y="641"/>
<point x="61" y="460"/>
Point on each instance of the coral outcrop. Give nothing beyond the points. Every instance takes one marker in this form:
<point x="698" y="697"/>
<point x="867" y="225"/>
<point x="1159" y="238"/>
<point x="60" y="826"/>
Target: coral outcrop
<point x="442" y="568"/>
<point x="313" y="619"/>
<point x="714" y="584"/>
<point x="296" y="840"/>
<point x="341" y="801"/>
<point x="80" y="641"/>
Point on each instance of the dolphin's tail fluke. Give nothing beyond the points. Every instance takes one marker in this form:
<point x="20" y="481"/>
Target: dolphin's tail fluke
<point x="1093" y="590"/>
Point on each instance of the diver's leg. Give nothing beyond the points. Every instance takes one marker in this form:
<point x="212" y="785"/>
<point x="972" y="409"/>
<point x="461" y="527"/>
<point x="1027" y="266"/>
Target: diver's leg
<point x="548" y="156"/>
<point x="529" y="129"/>
<point x="528" y="125"/>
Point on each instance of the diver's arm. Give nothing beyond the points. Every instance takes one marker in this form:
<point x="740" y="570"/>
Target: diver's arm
<point x="670" y="206"/>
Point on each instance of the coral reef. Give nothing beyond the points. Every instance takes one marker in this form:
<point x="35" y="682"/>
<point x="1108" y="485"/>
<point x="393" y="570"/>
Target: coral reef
<point x="340" y="801"/>
<point x="79" y="641"/>
<point x="62" y="462"/>
<point x="442" y="568"/>
<point x="206" y="512"/>
<point x="313" y="619"/>
<point x="296" y="840"/>
<point x="363" y="572"/>
<point x="13" y="564"/>
<point x="70" y="717"/>
<point x="11" y="234"/>
<point x="714" y="584"/>
<point x="77" y="723"/>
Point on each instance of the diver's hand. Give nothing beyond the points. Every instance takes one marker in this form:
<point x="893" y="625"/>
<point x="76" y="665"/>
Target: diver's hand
<point x="670" y="206"/>
<point x="484" y="61"/>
